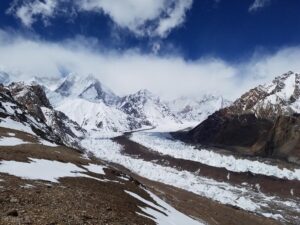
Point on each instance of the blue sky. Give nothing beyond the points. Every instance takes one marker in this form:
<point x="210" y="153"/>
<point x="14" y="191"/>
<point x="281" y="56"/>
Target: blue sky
<point x="204" y="35"/>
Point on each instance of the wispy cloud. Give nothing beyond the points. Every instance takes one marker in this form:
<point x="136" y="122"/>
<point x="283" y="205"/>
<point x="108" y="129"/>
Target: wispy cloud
<point x="143" y="18"/>
<point x="259" y="4"/>
<point x="28" y="12"/>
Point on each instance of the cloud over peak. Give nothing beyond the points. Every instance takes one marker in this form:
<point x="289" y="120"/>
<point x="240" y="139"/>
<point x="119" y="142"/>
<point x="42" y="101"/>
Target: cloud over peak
<point x="143" y="18"/>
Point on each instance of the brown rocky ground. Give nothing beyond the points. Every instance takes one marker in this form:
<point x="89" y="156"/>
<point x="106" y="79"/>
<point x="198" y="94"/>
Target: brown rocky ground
<point x="71" y="201"/>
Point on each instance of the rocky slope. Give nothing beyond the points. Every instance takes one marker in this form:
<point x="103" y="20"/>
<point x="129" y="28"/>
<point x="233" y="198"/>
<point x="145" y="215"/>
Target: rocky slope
<point x="41" y="183"/>
<point x="28" y="105"/>
<point x="264" y="121"/>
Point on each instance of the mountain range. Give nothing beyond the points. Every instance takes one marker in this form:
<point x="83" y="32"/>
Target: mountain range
<point x="95" y="107"/>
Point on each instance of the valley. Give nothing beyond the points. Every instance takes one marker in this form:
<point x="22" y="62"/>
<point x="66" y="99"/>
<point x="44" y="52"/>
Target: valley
<point x="139" y="159"/>
<point x="149" y="112"/>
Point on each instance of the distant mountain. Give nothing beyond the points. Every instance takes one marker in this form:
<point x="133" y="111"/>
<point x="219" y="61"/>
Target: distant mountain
<point x="147" y="109"/>
<point x="264" y="121"/>
<point x="197" y="110"/>
<point x="86" y="87"/>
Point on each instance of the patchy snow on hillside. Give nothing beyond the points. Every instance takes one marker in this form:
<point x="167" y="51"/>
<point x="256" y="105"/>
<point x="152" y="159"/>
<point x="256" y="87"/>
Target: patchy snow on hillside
<point x="162" y="213"/>
<point x="164" y="144"/>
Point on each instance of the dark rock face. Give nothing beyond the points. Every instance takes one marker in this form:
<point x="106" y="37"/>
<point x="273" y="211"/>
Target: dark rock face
<point x="32" y="97"/>
<point x="250" y="135"/>
<point x="14" y="110"/>
<point x="284" y="138"/>
<point x="232" y="131"/>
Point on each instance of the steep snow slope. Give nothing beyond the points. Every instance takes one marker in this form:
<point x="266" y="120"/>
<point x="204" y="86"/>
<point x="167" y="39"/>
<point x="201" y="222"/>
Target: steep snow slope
<point x="86" y="87"/>
<point x="95" y="116"/>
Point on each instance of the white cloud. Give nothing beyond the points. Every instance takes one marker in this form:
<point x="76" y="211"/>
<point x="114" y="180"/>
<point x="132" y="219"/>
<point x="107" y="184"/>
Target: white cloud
<point x="176" y="16"/>
<point x="170" y="76"/>
<point x="146" y="17"/>
<point x="258" y="4"/>
<point x="29" y="11"/>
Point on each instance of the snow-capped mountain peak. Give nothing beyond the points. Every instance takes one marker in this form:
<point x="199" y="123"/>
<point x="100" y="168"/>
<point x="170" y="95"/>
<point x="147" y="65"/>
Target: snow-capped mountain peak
<point x="281" y="96"/>
<point x="147" y="108"/>
<point x="86" y="87"/>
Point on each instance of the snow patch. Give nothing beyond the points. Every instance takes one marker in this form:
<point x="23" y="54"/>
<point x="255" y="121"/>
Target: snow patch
<point x="11" y="124"/>
<point x="40" y="169"/>
<point x="96" y="168"/>
<point x="11" y="141"/>
<point x="47" y="143"/>
<point x="170" y="215"/>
